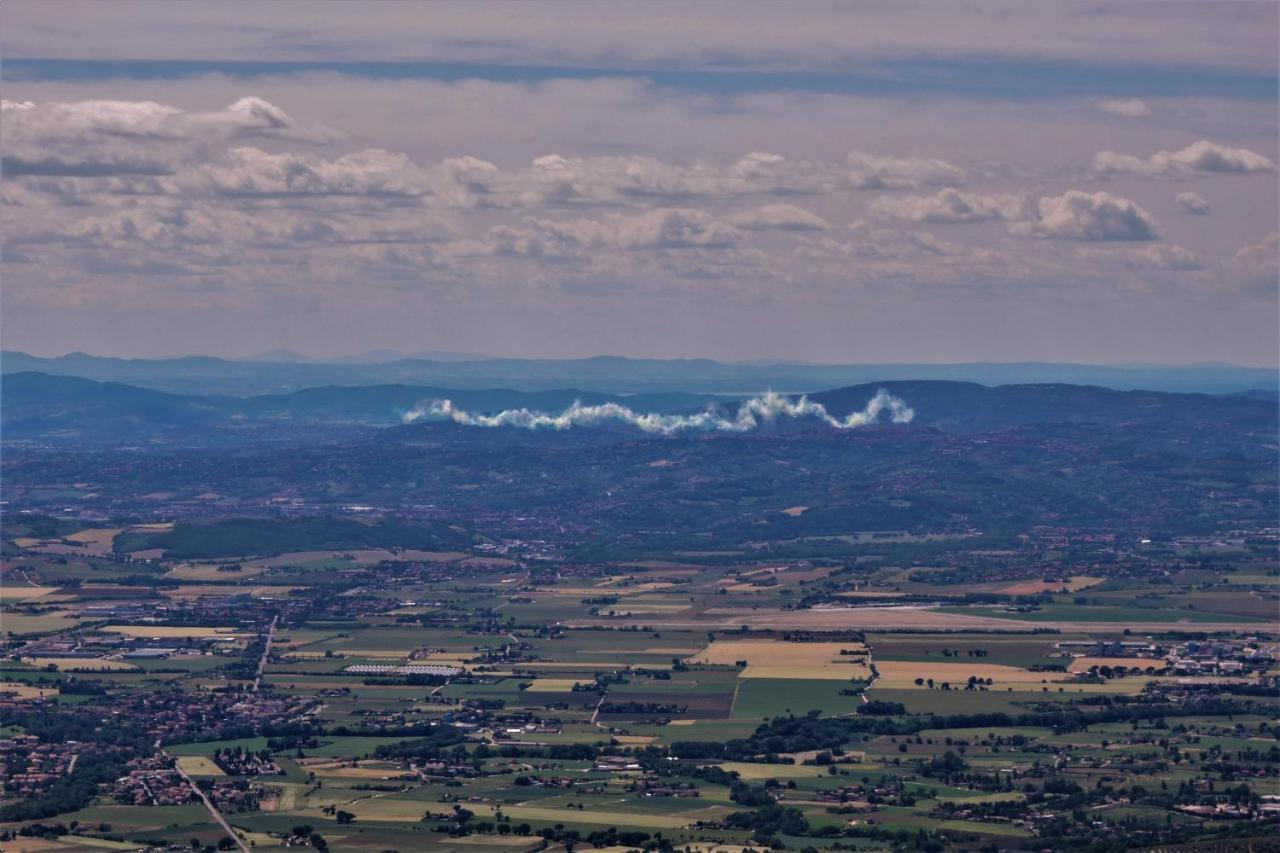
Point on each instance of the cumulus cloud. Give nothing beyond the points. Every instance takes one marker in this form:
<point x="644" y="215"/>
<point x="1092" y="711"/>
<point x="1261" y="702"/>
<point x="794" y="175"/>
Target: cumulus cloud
<point x="1258" y="263"/>
<point x="553" y="178"/>
<point x="1076" y="215"/>
<point x="1203" y="156"/>
<point x="248" y="171"/>
<point x="948" y="206"/>
<point x="1163" y="256"/>
<point x="1193" y="203"/>
<point x="780" y="217"/>
<point x="1125" y="107"/>
<point x="868" y="171"/>
<point x="667" y="228"/>
<point x="99" y="138"/>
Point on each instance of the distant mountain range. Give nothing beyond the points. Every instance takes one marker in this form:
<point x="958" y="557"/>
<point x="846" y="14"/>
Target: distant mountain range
<point x="377" y="356"/>
<point x="45" y="406"/>
<point x="283" y="373"/>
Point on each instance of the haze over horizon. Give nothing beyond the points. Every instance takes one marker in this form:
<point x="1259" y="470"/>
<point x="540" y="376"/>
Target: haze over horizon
<point x="880" y="183"/>
<point x="385" y="356"/>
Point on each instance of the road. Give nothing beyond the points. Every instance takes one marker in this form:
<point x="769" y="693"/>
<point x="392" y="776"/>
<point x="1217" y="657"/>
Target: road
<point x="266" y="650"/>
<point x="208" y="804"/>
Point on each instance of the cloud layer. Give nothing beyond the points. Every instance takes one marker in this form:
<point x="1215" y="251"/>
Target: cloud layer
<point x="750" y="415"/>
<point x="711" y="223"/>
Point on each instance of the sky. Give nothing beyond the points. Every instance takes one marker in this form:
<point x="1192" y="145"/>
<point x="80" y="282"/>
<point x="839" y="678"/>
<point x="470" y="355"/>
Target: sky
<point x="872" y="182"/>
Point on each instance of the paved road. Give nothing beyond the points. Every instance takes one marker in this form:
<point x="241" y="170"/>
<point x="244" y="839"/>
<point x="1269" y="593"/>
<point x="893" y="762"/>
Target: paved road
<point x="213" y="810"/>
<point x="266" y="650"/>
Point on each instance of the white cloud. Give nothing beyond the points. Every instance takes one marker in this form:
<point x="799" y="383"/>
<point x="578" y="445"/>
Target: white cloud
<point x="780" y="217"/>
<point x="1258" y="263"/>
<point x="872" y="172"/>
<point x="665" y="228"/>
<point x="1076" y="215"/>
<point x="1163" y="256"/>
<point x="555" y="179"/>
<point x="248" y="171"/>
<point x="949" y="205"/>
<point x="1193" y="203"/>
<point x="1125" y="107"/>
<point x="1202" y="156"/>
<point x="98" y="138"/>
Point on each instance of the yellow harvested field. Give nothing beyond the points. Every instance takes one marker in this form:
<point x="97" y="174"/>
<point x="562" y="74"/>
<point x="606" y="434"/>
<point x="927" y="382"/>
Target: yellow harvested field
<point x="770" y="653"/>
<point x="795" y="511"/>
<point x="355" y="770"/>
<point x="56" y="546"/>
<point x="1142" y="664"/>
<point x="25" y="691"/>
<point x="171" y="631"/>
<point x="682" y="722"/>
<point x="854" y="668"/>
<point x="378" y="654"/>
<point x="81" y="664"/>
<point x="752" y="772"/>
<point x="11" y="591"/>
<point x="199" y="765"/>
<point x="38" y="845"/>
<point x="97" y="540"/>
<point x="554" y="685"/>
<point x="634" y="740"/>
<point x="1074" y="584"/>
<point x="897" y="674"/>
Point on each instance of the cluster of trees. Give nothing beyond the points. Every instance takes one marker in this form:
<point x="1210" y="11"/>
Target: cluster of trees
<point x="70" y="792"/>
<point x="882" y="708"/>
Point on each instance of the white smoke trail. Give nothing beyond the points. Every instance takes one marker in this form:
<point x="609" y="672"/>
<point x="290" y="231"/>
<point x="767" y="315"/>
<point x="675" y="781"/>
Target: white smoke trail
<point x="751" y="413"/>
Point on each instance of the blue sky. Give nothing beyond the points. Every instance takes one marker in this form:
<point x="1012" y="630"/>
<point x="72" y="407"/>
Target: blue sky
<point x="906" y="181"/>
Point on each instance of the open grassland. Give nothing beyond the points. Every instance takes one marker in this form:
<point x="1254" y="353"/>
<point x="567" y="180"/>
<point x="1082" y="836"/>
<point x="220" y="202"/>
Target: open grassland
<point x="760" y="772"/>
<point x="765" y="698"/>
<point x="37" y="623"/>
<point x="213" y="571"/>
<point x="198" y="765"/>
<point x="1084" y="664"/>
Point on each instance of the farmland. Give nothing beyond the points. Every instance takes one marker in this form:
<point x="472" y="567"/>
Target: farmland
<point x="634" y="702"/>
<point x="431" y="640"/>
